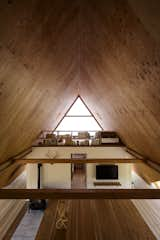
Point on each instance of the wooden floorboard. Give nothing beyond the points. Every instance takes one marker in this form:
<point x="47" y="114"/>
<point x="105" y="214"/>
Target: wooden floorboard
<point x="96" y="220"/>
<point x="48" y="223"/>
<point x="79" y="179"/>
<point x="15" y="223"/>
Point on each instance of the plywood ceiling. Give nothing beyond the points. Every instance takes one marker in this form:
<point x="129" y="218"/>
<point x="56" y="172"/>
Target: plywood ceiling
<point x="106" y="51"/>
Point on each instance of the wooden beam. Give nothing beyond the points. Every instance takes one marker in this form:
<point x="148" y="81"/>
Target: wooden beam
<point x="22" y="153"/>
<point x="148" y="173"/>
<point x="60" y="160"/>
<point x="10" y="169"/>
<point x="79" y="193"/>
<point x="19" y="155"/>
<point x="134" y="153"/>
<point x="10" y="173"/>
<point x="15" y="223"/>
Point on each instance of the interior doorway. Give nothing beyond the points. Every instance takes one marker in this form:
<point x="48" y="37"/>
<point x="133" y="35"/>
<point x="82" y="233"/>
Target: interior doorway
<point x="78" y="175"/>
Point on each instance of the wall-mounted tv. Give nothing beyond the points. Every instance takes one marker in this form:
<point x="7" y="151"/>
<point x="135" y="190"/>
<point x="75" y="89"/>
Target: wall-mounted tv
<point x="106" y="172"/>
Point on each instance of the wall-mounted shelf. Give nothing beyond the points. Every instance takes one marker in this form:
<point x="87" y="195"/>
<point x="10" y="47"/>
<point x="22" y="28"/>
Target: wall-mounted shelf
<point x="97" y="183"/>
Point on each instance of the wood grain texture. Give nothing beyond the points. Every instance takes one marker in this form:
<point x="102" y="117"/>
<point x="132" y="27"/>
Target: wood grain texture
<point x="146" y="172"/>
<point x="16" y="222"/>
<point x="11" y="169"/>
<point x="10" y="173"/>
<point x="79" y="193"/>
<point x="49" y="221"/>
<point x="11" y="208"/>
<point x="106" y="51"/>
<point x="120" y="71"/>
<point x="149" y="174"/>
<point x="149" y="210"/>
<point x="79" y="178"/>
<point x="37" y="48"/>
<point x="96" y="219"/>
<point x="89" y="160"/>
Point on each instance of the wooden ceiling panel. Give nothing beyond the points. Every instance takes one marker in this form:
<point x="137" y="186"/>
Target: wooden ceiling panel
<point x="51" y="51"/>
<point x="122" y="67"/>
<point x="38" y="70"/>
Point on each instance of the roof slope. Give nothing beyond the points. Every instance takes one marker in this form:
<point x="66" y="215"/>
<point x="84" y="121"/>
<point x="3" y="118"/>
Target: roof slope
<point x="106" y="51"/>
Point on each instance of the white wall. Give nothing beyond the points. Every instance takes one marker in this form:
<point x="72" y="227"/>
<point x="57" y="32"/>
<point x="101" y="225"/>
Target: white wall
<point x="92" y="152"/>
<point x="32" y="175"/>
<point x="124" y="176"/>
<point x="138" y="182"/>
<point x="52" y="176"/>
<point x="56" y="175"/>
<point x="59" y="175"/>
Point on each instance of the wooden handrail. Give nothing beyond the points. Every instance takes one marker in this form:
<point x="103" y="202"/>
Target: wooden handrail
<point x="60" y="160"/>
<point x="134" y="153"/>
<point x="23" y="153"/>
<point x="79" y="193"/>
<point x="12" y="159"/>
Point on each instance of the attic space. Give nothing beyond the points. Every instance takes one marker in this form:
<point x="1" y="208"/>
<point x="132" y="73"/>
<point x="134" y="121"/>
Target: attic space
<point x="80" y="119"/>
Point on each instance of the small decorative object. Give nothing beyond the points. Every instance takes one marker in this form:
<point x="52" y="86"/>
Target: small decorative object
<point x="51" y="154"/>
<point x="68" y="139"/>
<point x="60" y="140"/>
<point x="95" y="142"/>
<point x="84" y="143"/>
<point x="78" y="155"/>
<point x="83" y="135"/>
<point x="62" y="218"/>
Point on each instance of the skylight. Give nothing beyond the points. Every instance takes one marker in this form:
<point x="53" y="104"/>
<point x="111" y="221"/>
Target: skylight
<point x="78" y="118"/>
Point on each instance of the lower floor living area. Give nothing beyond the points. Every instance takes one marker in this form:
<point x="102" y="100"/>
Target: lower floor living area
<point x="67" y="219"/>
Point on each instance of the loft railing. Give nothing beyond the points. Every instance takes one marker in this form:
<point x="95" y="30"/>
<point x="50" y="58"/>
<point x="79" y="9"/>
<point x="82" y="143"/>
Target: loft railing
<point x="49" y="137"/>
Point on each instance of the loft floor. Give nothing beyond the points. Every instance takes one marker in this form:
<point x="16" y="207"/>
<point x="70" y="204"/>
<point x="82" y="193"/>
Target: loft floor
<point x="95" y="219"/>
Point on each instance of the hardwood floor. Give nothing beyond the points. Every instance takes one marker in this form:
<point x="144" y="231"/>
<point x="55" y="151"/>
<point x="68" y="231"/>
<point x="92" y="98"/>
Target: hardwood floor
<point x="11" y="210"/>
<point x="79" y="177"/>
<point x="149" y="210"/>
<point x="95" y="220"/>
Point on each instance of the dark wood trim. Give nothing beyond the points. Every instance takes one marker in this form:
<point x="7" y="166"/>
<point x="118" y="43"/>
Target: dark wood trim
<point x="146" y="172"/>
<point x="134" y="153"/>
<point x="10" y="173"/>
<point x="22" y="154"/>
<point x="65" y="114"/>
<point x="153" y="165"/>
<point x="60" y="160"/>
<point x="149" y="162"/>
<point x="77" y="116"/>
<point x="120" y="144"/>
<point x="91" y="112"/>
<point x="70" y="116"/>
<point x="80" y="193"/>
<point x="15" y="223"/>
<point x="5" y="165"/>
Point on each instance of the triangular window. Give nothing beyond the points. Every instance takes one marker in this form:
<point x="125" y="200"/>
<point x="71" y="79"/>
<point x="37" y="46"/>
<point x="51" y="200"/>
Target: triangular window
<point x="78" y="118"/>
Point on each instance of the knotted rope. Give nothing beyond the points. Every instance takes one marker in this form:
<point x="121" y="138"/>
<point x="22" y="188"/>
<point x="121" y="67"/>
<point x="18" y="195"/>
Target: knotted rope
<point x="62" y="219"/>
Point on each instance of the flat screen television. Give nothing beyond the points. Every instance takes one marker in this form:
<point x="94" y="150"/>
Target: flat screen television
<point x="106" y="172"/>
